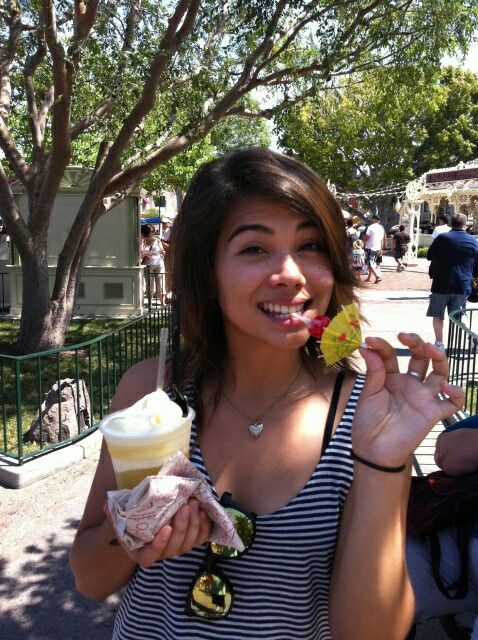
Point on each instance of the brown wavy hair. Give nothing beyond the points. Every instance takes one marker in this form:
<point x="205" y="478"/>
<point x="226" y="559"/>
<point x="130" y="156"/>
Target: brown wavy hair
<point x="216" y="187"/>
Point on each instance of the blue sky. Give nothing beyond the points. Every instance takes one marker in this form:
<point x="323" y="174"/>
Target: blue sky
<point x="470" y="62"/>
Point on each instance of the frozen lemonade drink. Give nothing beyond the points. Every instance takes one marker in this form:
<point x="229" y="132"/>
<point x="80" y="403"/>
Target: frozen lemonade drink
<point x="142" y="437"/>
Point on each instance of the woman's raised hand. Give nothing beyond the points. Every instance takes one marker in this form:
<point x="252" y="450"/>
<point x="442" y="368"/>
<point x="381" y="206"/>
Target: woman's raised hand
<point x="189" y="527"/>
<point x="397" y="410"/>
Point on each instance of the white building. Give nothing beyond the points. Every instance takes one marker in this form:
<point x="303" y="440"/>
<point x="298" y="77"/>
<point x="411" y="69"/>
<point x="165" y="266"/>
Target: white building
<point x="447" y="189"/>
<point x="112" y="277"/>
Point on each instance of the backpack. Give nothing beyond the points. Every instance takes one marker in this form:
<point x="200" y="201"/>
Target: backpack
<point x="437" y="502"/>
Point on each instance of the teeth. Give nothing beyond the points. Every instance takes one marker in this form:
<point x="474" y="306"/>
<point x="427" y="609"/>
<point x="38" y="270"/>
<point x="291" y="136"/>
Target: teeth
<point x="281" y="309"/>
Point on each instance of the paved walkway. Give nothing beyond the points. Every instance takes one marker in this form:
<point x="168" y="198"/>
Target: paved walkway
<point x="37" y="523"/>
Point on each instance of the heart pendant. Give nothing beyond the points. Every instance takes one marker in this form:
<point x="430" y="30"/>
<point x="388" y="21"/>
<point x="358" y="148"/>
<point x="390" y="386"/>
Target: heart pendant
<point x="255" y="429"/>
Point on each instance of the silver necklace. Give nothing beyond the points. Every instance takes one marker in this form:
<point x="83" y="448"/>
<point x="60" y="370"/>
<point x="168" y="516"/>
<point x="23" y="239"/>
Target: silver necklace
<point x="256" y="427"/>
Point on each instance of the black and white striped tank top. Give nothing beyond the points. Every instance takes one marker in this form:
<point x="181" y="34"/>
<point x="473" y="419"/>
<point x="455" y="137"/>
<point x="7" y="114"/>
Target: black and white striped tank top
<point x="281" y="585"/>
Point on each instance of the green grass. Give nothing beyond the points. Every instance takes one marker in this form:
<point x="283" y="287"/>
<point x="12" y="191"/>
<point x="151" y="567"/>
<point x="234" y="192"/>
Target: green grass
<point x="422" y="252"/>
<point x="79" y="331"/>
<point x="101" y="365"/>
<point x="471" y="398"/>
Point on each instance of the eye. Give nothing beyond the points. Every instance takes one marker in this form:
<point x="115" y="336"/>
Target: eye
<point x="252" y="250"/>
<point x="313" y="245"/>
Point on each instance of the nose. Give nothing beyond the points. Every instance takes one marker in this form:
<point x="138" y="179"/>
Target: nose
<point x="288" y="273"/>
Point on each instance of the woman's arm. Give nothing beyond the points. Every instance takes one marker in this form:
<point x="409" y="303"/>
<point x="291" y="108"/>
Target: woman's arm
<point x="371" y="595"/>
<point x="99" y="567"/>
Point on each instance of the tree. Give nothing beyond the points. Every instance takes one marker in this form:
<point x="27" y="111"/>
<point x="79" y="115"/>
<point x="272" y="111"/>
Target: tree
<point x="385" y="126"/>
<point x="142" y="81"/>
<point x="450" y="130"/>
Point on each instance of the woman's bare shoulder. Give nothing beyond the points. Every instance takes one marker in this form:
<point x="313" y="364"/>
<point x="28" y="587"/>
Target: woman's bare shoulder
<point x="136" y="382"/>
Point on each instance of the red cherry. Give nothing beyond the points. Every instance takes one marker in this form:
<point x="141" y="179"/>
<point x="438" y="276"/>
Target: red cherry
<point x="317" y="326"/>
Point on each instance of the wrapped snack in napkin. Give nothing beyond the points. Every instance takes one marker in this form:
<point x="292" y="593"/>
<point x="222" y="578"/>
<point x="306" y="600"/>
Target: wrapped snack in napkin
<point x="139" y="513"/>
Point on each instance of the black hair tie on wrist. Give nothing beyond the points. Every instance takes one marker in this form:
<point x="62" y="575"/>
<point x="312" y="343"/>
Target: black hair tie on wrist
<point x="378" y="467"/>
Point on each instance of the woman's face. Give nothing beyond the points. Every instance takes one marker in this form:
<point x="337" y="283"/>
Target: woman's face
<point x="270" y="263"/>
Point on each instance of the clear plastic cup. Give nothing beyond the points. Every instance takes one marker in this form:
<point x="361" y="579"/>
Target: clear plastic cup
<point x="137" y="455"/>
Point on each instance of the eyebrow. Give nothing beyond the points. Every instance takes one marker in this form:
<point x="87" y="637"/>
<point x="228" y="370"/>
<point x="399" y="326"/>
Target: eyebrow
<point x="242" y="228"/>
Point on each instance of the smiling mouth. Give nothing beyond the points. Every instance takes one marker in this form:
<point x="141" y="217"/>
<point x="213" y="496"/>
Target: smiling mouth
<point x="283" y="311"/>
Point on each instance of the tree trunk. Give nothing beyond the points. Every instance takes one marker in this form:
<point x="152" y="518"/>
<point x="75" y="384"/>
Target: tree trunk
<point x="44" y="322"/>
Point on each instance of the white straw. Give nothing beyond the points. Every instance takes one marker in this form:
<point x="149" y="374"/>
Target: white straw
<point x="303" y="319"/>
<point x="163" y="343"/>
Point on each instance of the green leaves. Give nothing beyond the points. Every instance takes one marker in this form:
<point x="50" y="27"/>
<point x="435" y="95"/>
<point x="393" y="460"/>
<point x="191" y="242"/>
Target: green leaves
<point x="386" y="126"/>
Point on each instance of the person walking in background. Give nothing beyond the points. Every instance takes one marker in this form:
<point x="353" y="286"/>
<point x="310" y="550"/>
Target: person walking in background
<point x="442" y="226"/>
<point x="352" y="233"/>
<point x="400" y="243"/>
<point x="152" y="255"/>
<point x="374" y="243"/>
<point x="454" y="263"/>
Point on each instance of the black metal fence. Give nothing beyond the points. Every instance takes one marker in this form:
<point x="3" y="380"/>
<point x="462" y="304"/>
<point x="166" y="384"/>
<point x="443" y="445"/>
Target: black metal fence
<point x="462" y="353"/>
<point x="158" y="288"/>
<point x="53" y="398"/>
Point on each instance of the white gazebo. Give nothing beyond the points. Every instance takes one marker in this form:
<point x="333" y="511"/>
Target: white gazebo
<point x="455" y="187"/>
<point x="112" y="278"/>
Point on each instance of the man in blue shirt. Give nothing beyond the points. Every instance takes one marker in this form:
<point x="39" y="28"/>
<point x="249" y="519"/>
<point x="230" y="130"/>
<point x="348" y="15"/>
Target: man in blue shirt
<point x="454" y="262"/>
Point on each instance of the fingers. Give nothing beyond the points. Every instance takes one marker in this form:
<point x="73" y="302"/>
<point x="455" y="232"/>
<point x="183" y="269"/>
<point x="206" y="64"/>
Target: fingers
<point x="385" y="351"/>
<point x="455" y="397"/>
<point x="381" y="360"/>
<point x="190" y="526"/>
<point x="438" y="359"/>
<point x="420" y="357"/>
<point x="192" y="532"/>
<point x="147" y="555"/>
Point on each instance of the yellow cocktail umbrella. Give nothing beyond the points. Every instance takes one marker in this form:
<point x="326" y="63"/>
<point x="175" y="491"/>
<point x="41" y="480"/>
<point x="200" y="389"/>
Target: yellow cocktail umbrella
<point x="342" y="335"/>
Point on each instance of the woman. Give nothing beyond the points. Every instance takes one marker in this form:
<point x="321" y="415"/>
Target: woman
<point x="152" y="254"/>
<point x="260" y="237"/>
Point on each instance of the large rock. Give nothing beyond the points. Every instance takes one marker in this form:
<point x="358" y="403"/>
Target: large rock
<point x="67" y="398"/>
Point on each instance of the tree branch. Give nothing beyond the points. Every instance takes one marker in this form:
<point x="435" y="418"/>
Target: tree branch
<point x="179" y="26"/>
<point x="12" y="217"/>
<point x="85" y="123"/>
<point x="31" y="64"/>
<point x="105" y="106"/>
<point x="360" y="16"/>
<point x="47" y="103"/>
<point x="272" y="111"/>
<point x="12" y="18"/>
<point x="14" y="158"/>
<point x="63" y="72"/>
<point x="170" y="43"/>
<point x="289" y="35"/>
<point x="193" y="132"/>
<point x="157" y="143"/>
<point x="60" y="153"/>
<point x="289" y="74"/>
